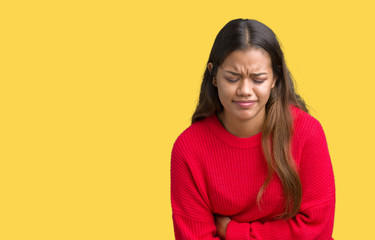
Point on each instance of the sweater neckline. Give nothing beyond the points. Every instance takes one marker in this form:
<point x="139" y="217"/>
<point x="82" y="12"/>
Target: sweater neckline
<point x="230" y="139"/>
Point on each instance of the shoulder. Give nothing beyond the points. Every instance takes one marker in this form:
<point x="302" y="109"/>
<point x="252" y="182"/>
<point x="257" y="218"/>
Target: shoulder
<point x="308" y="141"/>
<point x="305" y="125"/>
<point x="303" y="119"/>
<point x="191" y="137"/>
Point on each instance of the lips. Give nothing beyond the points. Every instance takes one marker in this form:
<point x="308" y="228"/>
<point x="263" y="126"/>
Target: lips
<point x="245" y="103"/>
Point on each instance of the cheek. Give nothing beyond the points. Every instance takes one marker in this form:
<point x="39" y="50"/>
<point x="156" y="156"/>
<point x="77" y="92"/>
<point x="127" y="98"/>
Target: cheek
<point x="264" y="92"/>
<point x="222" y="97"/>
<point x="225" y="92"/>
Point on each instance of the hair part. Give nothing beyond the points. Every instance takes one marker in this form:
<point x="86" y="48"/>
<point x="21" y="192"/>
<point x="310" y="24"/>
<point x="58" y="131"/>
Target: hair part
<point x="242" y="34"/>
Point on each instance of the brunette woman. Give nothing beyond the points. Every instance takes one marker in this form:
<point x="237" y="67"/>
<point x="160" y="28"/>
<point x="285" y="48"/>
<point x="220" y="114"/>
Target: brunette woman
<point x="253" y="164"/>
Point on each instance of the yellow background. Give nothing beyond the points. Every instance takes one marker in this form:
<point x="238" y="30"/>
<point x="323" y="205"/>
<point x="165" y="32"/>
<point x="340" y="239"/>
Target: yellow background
<point x="94" y="93"/>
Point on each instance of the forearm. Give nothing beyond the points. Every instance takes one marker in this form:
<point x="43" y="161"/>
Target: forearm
<point x="313" y="223"/>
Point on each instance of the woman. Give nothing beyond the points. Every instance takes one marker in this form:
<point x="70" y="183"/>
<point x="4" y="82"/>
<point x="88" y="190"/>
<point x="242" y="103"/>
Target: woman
<point x="253" y="164"/>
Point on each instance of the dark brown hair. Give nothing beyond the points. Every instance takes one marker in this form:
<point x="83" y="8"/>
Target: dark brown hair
<point x="241" y="34"/>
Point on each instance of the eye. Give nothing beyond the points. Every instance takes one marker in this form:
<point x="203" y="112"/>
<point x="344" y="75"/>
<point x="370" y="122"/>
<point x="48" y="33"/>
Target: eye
<point x="258" y="81"/>
<point x="232" y="80"/>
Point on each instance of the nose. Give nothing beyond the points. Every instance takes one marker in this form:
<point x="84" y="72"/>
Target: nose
<point x="245" y="88"/>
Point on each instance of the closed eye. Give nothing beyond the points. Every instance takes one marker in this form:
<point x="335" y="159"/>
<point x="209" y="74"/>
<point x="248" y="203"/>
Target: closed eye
<point x="258" y="81"/>
<point x="232" y="80"/>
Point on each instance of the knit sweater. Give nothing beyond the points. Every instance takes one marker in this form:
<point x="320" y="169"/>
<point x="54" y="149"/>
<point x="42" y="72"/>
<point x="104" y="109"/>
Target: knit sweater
<point x="215" y="172"/>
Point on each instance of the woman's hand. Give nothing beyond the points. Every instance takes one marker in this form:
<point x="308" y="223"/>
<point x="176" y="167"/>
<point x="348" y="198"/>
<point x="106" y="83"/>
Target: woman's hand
<point x="221" y="223"/>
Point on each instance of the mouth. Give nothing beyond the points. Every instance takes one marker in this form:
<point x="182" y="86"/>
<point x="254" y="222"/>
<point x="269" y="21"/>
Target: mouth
<point x="245" y="103"/>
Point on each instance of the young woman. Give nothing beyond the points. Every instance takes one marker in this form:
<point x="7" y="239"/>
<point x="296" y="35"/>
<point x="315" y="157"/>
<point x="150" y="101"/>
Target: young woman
<point x="253" y="164"/>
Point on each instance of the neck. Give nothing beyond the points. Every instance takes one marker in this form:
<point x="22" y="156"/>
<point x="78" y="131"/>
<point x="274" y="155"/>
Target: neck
<point x="242" y="128"/>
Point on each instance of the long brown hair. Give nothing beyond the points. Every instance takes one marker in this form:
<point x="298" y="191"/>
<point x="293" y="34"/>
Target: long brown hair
<point x="240" y="34"/>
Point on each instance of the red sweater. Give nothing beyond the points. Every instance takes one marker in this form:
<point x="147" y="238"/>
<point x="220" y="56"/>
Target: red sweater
<point x="215" y="172"/>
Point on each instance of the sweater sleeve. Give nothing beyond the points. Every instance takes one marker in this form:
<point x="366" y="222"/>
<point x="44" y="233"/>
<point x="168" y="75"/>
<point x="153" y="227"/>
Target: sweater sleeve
<point x="316" y="215"/>
<point x="191" y="214"/>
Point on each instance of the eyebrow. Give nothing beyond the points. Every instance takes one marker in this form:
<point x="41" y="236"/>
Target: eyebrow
<point x="253" y="74"/>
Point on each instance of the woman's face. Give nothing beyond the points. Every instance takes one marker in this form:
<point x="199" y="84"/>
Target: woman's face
<point x="244" y="82"/>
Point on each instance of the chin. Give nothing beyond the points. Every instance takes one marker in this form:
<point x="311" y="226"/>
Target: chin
<point x="250" y="114"/>
<point x="245" y="116"/>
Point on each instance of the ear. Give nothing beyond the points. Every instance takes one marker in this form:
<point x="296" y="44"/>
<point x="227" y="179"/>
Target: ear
<point x="274" y="81"/>
<point x="210" y="67"/>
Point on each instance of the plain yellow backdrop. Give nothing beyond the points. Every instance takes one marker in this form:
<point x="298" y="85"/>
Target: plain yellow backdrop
<point x="94" y="93"/>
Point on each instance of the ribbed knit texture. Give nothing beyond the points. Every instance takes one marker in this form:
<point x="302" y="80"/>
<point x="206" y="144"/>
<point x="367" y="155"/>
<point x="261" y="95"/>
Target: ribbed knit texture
<point x="215" y="172"/>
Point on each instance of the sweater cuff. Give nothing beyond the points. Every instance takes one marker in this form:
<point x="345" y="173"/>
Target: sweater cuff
<point x="237" y="231"/>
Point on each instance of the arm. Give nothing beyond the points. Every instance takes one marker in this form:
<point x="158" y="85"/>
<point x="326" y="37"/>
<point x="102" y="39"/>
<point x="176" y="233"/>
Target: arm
<point x="192" y="217"/>
<point x="316" y="215"/>
<point x="221" y="223"/>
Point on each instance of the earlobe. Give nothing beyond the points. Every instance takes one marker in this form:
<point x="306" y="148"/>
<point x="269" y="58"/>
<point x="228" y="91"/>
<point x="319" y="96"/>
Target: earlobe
<point x="214" y="82"/>
<point x="274" y="82"/>
<point x="209" y="66"/>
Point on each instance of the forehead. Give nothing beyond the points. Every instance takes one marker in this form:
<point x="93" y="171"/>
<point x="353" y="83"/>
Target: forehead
<point x="252" y="59"/>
